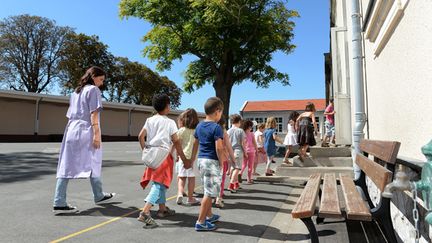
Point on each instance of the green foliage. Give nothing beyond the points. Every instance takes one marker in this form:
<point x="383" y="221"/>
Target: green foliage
<point x="80" y="52"/>
<point x="30" y="52"/>
<point x="134" y="83"/>
<point x="233" y="39"/>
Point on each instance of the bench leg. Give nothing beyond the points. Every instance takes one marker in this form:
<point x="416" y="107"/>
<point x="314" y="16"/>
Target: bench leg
<point x="319" y="220"/>
<point x="312" y="230"/>
<point x="388" y="229"/>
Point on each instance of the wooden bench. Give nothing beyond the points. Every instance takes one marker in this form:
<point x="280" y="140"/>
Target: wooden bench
<point x="355" y="204"/>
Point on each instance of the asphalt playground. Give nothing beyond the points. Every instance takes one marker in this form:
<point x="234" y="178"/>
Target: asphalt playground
<point x="27" y="180"/>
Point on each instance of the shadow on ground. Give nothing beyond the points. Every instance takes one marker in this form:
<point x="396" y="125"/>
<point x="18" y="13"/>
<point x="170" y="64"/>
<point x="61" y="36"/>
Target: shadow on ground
<point x="23" y="166"/>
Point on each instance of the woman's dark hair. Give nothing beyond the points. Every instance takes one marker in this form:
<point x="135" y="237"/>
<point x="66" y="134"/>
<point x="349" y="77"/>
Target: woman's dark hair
<point x="310" y="107"/>
<point x="160" y="102"/>
<point x="293" y="116"/>
<point x="87" y="78"/>
<point x="247" y="124"/>
<point x="189" y="118"/>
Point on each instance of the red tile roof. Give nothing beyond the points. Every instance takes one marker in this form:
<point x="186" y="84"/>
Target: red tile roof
<point x="283" y="105"/>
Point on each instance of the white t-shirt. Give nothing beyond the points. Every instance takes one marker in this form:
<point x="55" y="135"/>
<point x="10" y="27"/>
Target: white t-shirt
<point x="159" y="131"/>
<point x="258" y="134"/>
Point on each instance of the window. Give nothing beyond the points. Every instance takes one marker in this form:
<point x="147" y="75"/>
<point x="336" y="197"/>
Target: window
<point x="385" y="17"/>
<point x="259" y="120"/>
<point x="279" y="124"/>
<point x="317" y="120"/>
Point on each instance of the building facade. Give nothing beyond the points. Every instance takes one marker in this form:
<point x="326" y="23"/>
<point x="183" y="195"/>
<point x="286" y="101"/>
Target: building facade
<point x="281" y="109"/>
<point x="397" y="74"/>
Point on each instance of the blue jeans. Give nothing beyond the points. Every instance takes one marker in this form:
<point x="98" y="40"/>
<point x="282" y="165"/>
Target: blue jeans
<point x="156" y="194"/>
<point x="61" y="187"/>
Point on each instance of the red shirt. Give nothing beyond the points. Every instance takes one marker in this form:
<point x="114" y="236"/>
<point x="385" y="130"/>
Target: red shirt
<point x="330" y="118"/>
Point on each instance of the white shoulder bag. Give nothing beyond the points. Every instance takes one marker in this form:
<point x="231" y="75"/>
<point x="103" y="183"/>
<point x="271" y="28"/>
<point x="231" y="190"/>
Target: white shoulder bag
<point x="153" y="157"/>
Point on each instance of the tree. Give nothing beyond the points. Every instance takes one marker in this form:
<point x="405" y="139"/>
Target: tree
<point x="30" y="48"/>
<point x="80" y="53"/>
<point x="233" y="40"/>
<point x="134" y="83"/>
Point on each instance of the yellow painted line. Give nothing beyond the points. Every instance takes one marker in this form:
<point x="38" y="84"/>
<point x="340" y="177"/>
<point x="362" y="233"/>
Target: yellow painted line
<point x="104" y="223"/>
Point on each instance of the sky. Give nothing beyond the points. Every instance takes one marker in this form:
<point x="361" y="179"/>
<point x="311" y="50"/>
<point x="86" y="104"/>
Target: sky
<point x="305" y="65"/>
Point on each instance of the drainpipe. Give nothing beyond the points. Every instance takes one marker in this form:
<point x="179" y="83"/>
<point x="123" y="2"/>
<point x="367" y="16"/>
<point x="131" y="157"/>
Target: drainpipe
<point x="360" y="115"/>
<point x="36" y="125"/>
<point x="130" y="121"/>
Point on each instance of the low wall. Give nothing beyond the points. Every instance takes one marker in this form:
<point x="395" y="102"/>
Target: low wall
<point x="29" y="117"/>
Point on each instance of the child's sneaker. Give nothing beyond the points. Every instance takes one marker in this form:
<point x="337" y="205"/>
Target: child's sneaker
<point x="192" y="202"/>
<point x="237" y="186"/>
<point x="231" y="188"/>
<point x="213" y="219"/>
<point x="219" y="203"/>
<point x="150" y="223"/>
<point x="166" y="213"/>
<point x="179" y="200"/>
<point x="65" y="209"/>
<point x="207" y="226"/>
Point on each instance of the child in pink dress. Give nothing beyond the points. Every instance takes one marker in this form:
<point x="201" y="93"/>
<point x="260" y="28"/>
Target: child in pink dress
<point x="251" y="150"/>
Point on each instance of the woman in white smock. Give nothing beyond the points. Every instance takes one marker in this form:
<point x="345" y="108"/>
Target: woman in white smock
<point x="81" y="152"/>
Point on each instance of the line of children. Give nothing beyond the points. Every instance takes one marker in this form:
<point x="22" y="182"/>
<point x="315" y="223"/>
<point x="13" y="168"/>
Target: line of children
<point x="214" y="149"/>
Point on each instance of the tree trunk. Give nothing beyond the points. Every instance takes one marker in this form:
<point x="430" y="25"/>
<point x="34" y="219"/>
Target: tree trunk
<point x="223" y="91"/>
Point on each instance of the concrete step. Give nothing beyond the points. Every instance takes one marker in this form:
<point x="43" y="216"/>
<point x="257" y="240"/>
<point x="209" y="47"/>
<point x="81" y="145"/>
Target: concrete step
<point x="276" y="178"/>
<point x="321" y="161"/>
<point x="307" y="171"/>
<point x="330" y="152"/>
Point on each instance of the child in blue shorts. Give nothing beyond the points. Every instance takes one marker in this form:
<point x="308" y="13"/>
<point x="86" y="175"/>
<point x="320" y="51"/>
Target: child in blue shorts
<point x="209" y="138"/>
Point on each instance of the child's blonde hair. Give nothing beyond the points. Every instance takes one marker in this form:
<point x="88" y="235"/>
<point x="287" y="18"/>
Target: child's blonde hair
<point x="188" y="119"/>
<point x="261" y="126"/>
<point x="271" y="122"/>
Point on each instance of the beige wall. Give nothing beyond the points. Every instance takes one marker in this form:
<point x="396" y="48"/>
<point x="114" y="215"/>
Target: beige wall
<point x="399" y="82"/>
<point x="18" y="110"/>
<point x="114" y="122"/>
<point x="52" y="118"/>
<point x="138" y="120"/>
<point x="17" y="116"/>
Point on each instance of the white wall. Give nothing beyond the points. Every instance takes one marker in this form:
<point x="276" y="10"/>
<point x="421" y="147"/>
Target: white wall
<point x="399" y="82"/>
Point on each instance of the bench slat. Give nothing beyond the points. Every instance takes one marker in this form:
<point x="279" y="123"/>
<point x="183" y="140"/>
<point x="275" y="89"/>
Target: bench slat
<point x="355" y="206"/>
<point x="329" y="207"/>
<point x="385" y="150"/>
<point x="305" y="206"/>
<point x="381" y="176"/>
